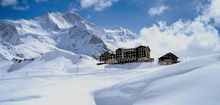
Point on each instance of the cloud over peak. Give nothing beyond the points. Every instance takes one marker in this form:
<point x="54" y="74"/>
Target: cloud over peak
<point x="41" y="0"/>
<point x="191" y="38"/>
<point x="157" y="10"/>
<point x="99" y="5"/>
<point x="15" y="4"/>
<point x="214" y="11"/>
<point x="21" y="8"/>
<point x="8" y="2"/>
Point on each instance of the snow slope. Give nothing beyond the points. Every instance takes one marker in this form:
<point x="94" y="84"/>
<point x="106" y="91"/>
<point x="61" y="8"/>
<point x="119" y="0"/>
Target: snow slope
<point x="71" y="89"/>
<point x="194" y="82"/>
<point x="57" y="60"/>
<point x="80" y="41"/>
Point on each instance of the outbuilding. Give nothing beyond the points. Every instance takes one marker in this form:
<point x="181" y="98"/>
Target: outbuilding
<point x="168" y="59"/>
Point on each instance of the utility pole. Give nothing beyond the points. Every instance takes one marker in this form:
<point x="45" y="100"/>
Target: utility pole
<point x="105" y="68"/>
<point x="64" y="65"/>
<point x="26" y="74"/>
<point x="77" y="68"/>
<point x="129" y="65"/>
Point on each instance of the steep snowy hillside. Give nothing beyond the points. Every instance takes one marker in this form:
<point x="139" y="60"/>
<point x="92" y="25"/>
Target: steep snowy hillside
<point x="68" y="31"/>
<point x="8" y="33"/>
<point x="81" y="41"/>
<point x="193" y="82"/>
<point x="119" y="36"/>
<point x="57" y="60"/>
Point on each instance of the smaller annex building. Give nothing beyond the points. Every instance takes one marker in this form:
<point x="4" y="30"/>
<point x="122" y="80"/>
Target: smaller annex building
<point x="125" y="55"/>
<point x="168" y="59"/>
<point x="106" y="56"/>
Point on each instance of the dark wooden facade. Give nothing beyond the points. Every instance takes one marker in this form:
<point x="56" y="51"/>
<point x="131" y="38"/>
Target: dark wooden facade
<point x="168" y="59"/>
<point x="106" y="56"/>
<point x="143" y="53"/>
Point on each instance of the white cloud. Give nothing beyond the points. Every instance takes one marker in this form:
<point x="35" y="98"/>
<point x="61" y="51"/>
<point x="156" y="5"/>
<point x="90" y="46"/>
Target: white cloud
<point x="72" y="7"/>
<point x="24" y="1"/>
<point x="185" y="38"/>
<point x="214" y="11"/>
<point x="211" y="13"/>
<point x="15" y="4"/>
<point x="191" y="38"/>
<point x="8" y="2"/>
<point x="98" y="4"/>
<point x="21" y="8"/>
<point x="41" y="0"/>
<point x="88" y="16"/>
<point x="157" y="10"/>
<point x="88" y="3"/>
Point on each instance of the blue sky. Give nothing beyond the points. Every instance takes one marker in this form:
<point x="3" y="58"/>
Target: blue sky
<point x="130" y="14"/>
<point x="185" y="27"/>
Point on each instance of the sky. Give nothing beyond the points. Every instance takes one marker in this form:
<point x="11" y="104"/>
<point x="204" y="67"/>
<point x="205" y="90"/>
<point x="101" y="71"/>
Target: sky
<point x="187" y="26"/>
<point x="130" y="14"/>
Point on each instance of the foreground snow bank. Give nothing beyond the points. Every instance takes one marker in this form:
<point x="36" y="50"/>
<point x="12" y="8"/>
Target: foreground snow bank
<point x="66" y="89"/>
<point x="194" y="82"/>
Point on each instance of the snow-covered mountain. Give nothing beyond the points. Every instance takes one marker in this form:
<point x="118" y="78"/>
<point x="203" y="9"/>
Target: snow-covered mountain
<point x="68" y="31"/>
<point x="80" y="41"/>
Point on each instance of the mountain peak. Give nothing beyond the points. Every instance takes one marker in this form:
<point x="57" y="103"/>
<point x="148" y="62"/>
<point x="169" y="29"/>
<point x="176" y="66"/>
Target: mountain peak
<point x="61" y="31"/>
<point x="71" y="12"/>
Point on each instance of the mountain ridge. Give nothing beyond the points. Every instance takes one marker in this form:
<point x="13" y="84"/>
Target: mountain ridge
<point x="55" y="30"/>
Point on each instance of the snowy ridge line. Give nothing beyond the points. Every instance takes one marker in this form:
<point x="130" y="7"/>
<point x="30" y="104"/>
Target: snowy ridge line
<point x="67" y="31"/>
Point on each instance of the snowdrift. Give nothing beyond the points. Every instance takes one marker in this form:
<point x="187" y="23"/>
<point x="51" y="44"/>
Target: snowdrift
<point x="59" y="60"/>
<point x="194" y="82"/>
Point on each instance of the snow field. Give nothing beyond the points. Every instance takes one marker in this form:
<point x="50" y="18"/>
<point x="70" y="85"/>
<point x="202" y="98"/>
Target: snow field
<point x="65" y="90"/>
<point x="191" y="82"/>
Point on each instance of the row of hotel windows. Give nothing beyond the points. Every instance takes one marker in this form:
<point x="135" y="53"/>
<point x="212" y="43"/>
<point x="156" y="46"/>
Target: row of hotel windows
<point x="128" y="54"/>
<point x="134" y="54"/>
